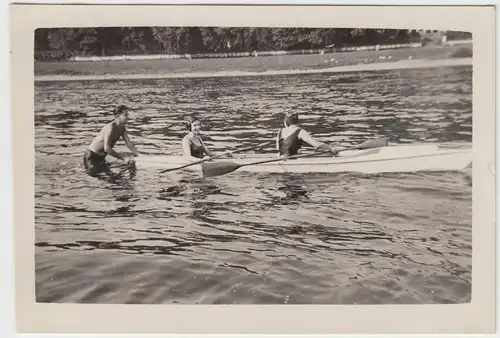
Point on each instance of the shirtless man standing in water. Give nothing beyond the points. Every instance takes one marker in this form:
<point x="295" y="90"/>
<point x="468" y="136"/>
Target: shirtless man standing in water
<point x="102" y="145"/>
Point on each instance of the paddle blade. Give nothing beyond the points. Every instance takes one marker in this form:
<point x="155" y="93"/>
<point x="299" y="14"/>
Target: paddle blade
<point x="218" y="168"/>
<point x="377" y="143"/>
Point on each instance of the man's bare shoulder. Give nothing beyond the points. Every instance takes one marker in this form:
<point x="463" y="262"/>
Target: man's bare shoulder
<point x="114" y="128"/>
<point x="304" y="134"/>
<point x="303" y="131"/>
<point x="108" y="126"/>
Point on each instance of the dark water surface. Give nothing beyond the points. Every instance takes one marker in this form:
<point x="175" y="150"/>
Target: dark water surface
<point x="254" y="238"/>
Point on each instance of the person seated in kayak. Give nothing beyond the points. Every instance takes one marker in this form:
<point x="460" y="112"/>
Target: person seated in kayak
<point x="103" y="143"/>
<point x="290" y="138"/>
<point x="193" y="146"/>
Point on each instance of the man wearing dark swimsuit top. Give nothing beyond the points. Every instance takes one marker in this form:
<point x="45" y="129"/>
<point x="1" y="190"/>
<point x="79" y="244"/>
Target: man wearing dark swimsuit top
<point x="103" y="143"/>
<point x="290" y="139"/>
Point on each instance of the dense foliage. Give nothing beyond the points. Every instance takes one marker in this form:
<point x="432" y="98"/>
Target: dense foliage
<point x="61" y="43"/>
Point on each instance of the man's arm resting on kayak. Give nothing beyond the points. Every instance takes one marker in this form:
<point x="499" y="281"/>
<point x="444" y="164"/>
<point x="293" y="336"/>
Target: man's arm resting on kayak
<point x="129" y="144"/>
<point x="107" y="145"/>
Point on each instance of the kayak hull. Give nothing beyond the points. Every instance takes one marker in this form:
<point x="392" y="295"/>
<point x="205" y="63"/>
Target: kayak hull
<point x="410" y="158"/>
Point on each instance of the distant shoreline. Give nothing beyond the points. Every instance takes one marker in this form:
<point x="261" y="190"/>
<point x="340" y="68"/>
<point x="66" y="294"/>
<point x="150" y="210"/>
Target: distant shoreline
<point x="390" y="65"/>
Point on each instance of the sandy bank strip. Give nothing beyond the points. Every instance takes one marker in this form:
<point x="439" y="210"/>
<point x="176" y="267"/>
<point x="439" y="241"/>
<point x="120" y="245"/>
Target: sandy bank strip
<point x="402" y="64"/>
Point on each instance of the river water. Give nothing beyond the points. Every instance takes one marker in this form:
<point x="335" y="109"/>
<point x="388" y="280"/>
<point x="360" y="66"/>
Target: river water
<point x="250" y="238"/>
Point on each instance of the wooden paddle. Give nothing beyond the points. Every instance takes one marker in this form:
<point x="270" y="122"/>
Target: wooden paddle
<point x="222" y="168"/>
<point x="213" y="157"/>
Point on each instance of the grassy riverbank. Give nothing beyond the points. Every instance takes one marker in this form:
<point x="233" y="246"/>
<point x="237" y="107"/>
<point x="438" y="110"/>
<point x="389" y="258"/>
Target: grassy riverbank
<point x="247" y="64"/>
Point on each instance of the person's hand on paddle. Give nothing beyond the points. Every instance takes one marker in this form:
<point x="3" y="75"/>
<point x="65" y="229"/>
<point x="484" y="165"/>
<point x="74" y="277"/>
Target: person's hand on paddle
<point x="334" y="151"/>
<point x="322" y="147"/>
<point x="205" y="157"/>
<point x="228" y="153"/>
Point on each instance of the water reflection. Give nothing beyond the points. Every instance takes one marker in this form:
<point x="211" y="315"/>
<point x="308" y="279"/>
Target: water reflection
<point x="294" y="188"/>
<point x="116" y="174"/>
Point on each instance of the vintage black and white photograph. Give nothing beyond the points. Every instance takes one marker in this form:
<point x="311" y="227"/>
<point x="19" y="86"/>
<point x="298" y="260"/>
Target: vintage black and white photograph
<point x="253" y="165"/>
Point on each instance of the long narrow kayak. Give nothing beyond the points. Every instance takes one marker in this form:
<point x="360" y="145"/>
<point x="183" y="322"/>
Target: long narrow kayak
<point x="401" y="158"/>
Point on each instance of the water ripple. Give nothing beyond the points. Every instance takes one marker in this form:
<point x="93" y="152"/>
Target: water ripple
<point x="254" y="238"/>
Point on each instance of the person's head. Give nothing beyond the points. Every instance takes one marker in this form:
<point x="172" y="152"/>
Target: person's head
<point x="291" y="117"/>
<point x="121" y="113"/>
<point x="193" y="124"/>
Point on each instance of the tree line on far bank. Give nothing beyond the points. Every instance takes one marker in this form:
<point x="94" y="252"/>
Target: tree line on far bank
<point x="63" y="43"/>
